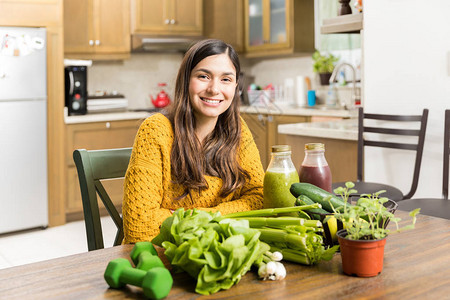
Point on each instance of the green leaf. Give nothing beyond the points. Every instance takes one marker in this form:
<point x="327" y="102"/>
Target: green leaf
<point x="349" y="185"/>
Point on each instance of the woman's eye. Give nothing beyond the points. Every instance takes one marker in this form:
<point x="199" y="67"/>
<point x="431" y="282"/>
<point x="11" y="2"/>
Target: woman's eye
<point x="227" y="79"/>
<point x="203" y="76"/>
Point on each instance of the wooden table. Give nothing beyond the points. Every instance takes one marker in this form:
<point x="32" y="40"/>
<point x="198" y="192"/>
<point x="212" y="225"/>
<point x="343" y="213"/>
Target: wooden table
<point x="416" y="265"/>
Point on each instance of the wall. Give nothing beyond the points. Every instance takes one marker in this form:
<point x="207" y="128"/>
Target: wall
<point x="405" y="70"/>
<point x="136" y="77"/>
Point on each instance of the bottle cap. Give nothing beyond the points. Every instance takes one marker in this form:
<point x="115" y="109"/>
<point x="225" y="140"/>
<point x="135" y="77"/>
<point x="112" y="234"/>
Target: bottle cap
<point x="281" y="148"/>
<point x="314" y="146"/>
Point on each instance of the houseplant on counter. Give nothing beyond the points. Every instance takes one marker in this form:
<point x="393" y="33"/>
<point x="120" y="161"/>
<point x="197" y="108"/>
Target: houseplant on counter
<point x="364" y="235"/>
<point x="323" y="64"/>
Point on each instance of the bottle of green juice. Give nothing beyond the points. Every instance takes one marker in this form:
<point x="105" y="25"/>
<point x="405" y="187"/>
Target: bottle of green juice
<point x="280" y="174"/>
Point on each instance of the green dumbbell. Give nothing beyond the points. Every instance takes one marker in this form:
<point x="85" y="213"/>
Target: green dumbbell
<point x="156" y="282"/>
<point x="145" y="257"/>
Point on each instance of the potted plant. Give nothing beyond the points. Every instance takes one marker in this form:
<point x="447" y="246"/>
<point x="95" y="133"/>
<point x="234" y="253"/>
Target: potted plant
<point x="364" y="235"/>
<point x="323" y="64"/>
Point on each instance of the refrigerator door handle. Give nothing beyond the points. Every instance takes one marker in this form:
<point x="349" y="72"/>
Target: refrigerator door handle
<point x="71" y="83"/>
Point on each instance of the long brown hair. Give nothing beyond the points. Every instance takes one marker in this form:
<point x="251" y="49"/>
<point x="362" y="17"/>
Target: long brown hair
<point x="218" y="155"/>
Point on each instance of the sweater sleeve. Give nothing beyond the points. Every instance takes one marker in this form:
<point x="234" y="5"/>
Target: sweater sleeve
<point x="250" y="196"/>
<point x="143" y="185"/>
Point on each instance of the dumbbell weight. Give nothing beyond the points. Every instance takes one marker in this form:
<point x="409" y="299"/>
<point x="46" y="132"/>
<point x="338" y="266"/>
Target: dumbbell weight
<point x="156" y="283"/>
<point x="145" y="256"/>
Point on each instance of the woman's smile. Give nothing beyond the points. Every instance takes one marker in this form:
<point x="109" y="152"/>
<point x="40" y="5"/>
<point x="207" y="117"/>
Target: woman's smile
<point x="211" y="101"/>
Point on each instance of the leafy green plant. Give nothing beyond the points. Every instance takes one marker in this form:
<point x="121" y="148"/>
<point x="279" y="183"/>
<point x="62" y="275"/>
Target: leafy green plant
<point x="323" y="63"/>
<point x="368" y="218"/>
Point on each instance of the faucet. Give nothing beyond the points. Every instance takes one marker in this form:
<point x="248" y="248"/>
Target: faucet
<point x="355" y="95"/>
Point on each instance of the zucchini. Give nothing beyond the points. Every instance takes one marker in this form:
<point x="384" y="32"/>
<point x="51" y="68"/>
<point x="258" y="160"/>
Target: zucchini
<point x="318" y="195"/>
<point x="316" y="212"/>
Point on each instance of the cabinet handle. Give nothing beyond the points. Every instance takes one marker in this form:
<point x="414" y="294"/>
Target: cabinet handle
<point x="97" y="42"/>
<point x="167" y="21"/>
<point x="172" y="21"/>
<point x="108" y="125"/>
<point x="91" y="42"/>
<point x="262" y="120"/>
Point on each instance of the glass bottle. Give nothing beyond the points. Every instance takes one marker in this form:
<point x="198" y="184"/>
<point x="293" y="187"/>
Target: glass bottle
<point x="314" y="168"/>
<point x="280" y="174"/>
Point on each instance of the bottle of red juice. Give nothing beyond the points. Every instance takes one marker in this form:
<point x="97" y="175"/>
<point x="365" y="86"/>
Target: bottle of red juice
<point x="314" y="168"/>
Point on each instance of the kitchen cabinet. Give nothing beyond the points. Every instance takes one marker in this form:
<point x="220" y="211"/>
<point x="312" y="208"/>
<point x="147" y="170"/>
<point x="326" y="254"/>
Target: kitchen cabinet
<point x="167" y="17"/>
<point x="97" y="29"/>
<point x="277" y="27"/>
<point x="264" y="128"/>
<point x="224" y="20"/>
<point x="92" y="136"/>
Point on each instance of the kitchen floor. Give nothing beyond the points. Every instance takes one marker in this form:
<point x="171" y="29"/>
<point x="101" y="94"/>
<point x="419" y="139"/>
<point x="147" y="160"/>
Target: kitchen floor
<point x="43" y="244"/>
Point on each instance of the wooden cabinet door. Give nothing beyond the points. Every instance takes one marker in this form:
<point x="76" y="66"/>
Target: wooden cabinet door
<point x="280" y="139"/>
<point x="96" y="27"/>
<point x="101" y="135"/>
<point x="78" y="26"/>
<point x="167" y="17"/>
<point x="258" y="126"/>
<point x="150" y="15"/>
<point x="225" y="20"/>
<point x="187" y="16"/>
<point x="112" y="26"/>
<point x="267" y="24"/>
<point x="278" y="27"/>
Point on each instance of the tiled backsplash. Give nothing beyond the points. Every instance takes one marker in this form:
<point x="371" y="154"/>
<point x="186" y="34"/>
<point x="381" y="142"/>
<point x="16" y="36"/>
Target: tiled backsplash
<point x="138" y="76"/>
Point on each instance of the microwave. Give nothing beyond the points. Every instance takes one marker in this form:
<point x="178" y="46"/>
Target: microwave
<point x="76" y="89"/>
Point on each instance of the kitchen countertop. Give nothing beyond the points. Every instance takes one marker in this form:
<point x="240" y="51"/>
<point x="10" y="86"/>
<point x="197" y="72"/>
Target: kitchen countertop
<point x="105" y="117"/>
<point x="318" y="110"/>
<point x="276" y="110"/>
<point x="343" y="130"/>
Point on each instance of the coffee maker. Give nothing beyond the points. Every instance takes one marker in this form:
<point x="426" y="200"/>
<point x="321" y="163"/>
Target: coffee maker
<point x="76" y="89"/>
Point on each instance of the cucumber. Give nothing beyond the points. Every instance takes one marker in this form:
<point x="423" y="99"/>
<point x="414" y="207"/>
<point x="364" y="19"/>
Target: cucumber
<point x="304" y="200"/>
<point x="317" y="195"/>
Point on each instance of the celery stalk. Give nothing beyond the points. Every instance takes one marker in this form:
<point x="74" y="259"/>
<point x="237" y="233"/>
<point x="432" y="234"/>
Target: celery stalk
<point x="293" y="255"/>
<point x="270" y="235"/>
<point x="280" y="221"/>
<point x="312" y="223"/>
<point x="267" y="212"/>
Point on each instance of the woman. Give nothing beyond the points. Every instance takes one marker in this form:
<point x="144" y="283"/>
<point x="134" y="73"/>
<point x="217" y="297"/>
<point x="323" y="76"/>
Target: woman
<point x="199" y="154"/>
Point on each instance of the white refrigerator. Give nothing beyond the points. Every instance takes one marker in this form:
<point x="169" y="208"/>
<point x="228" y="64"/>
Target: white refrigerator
<point x="23" y="129"/>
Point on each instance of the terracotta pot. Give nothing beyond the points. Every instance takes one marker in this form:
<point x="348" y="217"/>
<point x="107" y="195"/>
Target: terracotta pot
<point x="363" y="258"/>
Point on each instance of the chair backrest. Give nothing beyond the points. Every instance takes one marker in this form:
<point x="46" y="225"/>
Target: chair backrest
<point x="446" y="154"/>
<point x="418" y="146"/>
<point x="93" y="166"/>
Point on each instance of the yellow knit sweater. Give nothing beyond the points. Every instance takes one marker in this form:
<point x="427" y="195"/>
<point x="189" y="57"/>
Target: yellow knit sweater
<point x="149" y="193"/>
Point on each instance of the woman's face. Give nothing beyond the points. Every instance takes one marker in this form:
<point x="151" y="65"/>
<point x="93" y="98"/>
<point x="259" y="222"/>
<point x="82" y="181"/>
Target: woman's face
<point x="212" y="86"/>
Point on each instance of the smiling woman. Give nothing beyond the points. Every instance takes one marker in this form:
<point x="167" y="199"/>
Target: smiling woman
<point x="211" y="91"/>
<point x="198" y="153"/>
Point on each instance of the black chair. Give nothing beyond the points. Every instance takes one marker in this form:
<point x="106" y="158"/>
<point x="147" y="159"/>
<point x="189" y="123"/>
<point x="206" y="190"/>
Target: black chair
<point x="94" y="166"/>
<point x="368" y="140"/>
<point x="437" y="207"/>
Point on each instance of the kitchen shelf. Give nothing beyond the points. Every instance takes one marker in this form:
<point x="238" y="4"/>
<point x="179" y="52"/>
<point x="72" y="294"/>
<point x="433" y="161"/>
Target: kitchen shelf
<point x="343" y="24"/>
